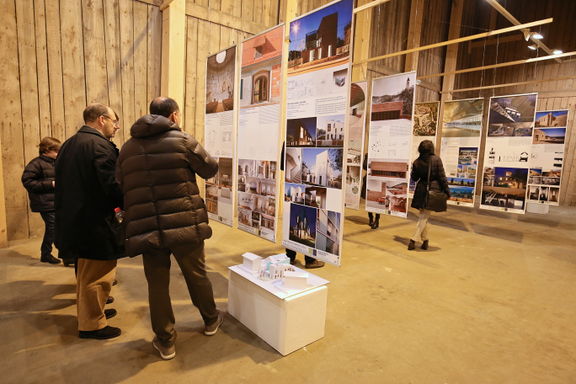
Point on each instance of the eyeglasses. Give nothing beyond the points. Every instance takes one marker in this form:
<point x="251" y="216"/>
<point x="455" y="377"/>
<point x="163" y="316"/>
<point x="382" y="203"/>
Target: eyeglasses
<point x="114" y="121"/>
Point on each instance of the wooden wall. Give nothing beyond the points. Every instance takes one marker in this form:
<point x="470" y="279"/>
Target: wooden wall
<point x="57" y="56"/>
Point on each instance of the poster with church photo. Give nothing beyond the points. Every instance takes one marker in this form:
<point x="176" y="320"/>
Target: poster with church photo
<point x="219" y="133"/>
<point x="507" y="152"/>
<point x="547" y="157"/>
<point x="390" y="144"/>
<point x="259" y="133"/>
<point x="315" y="158"/>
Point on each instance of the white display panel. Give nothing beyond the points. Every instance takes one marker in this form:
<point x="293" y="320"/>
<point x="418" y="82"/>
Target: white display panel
<point x="317" y="96"/>
<point x="258" y="133"/>
<point x="507" y="152"/>
<point x="547" y="157"/>
<point x="219" y="133"/>
<point x="390" y="144"/>
<point x="460" y="149"/>
<point x="355" y="139"/>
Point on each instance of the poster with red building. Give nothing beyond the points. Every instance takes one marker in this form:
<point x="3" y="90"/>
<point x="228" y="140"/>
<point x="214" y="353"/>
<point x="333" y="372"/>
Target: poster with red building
<point x="259" y="133"/>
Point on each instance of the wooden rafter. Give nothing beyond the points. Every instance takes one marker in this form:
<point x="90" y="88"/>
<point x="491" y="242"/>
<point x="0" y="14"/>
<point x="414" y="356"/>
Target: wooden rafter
<point x="510" y="84"/>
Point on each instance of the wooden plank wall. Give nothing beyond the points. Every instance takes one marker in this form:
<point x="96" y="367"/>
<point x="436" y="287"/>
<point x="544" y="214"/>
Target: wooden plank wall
<point x="57" y="56"/>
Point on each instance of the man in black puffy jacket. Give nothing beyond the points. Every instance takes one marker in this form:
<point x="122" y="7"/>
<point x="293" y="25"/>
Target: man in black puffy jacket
<point x="165" y="215"/>
<point x="38" y="179"/>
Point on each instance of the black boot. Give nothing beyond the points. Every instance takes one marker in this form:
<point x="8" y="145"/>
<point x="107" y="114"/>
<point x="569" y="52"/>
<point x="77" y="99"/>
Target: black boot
<point x="50" y="259"/>
<point x="424" y="245"/>
<point x="370" y="219"/>
<point x="411" y="245"/>
<point x="376" y="222"/>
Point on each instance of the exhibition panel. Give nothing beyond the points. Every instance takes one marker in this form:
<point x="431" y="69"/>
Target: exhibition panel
<point x="259" y="133"/>
<point x="219" y="132"/>
<point x="390" y="143"/>
<point x="355" y="140"/>
<point x="317" y="97"/>
<point x="461" y="135"/>
<point x="547" y="158"/>
<point x="507" y="152"/>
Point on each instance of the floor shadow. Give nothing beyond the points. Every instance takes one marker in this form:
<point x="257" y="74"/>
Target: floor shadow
<point x="498" y="232"/>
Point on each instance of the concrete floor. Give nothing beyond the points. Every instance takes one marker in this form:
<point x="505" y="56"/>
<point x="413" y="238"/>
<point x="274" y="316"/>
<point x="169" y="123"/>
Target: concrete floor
<point x="492" y="301"/>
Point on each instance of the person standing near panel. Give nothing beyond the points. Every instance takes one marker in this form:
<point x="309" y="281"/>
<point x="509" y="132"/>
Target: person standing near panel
<point x="165" y="215"/>
<point x="86" y="195"/>
<point x="38" y="179"/>
<point x="426" y="168"/>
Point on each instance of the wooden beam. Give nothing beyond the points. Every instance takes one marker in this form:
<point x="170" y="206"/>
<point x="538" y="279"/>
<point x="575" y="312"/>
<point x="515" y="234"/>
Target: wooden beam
<point x="500" y="65"/>
<point x="370" y="5"/>
<point x="173" y="51"/>
<point x="511" y="84"/>
<point x="414" y="33"/>
<point x="459" y="40"/>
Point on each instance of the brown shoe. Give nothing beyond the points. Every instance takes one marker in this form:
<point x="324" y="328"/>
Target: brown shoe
<point x="314" y="264"/>
<point x="211" y="329"/>
<point x="411" y="245"/>
<point x="424" y="245"/>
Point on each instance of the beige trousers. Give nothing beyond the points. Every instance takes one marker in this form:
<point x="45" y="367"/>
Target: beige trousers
<point x="93" y="284"/>
<point x="422" y="226"/>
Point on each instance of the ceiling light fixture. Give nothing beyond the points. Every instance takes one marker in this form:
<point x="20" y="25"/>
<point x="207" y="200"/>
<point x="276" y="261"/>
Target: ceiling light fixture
<point x="557" y="52"/>
<point x="537" y="36"/>
<point x="533" y="47"/>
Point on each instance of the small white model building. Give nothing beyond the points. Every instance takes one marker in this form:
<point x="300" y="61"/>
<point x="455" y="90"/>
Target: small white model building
<point x="251" y="262"/>
<point x="295" y="280"/>
<point x="273" y="267"/>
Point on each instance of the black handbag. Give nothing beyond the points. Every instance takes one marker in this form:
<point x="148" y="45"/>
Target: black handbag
<point x="435" y="200"/>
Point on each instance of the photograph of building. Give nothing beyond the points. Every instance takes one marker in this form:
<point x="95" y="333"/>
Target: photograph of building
<point x="552" y="119"/>
<point x="322" y="166"/>
<point x="315" y="197"/>
<point x="293" y="165"/>
<point x="220" y="81"/>
<point x="379" y="168"/>
<point x="330" y="131"/>
<point x="294" y="193"/>
<point x="301" y="132"/>
<point x="392" y="98"/>
<point x="505" y="187"/>
<point x="328" y="231"/>
<point x="303" y="224"/>
<point x="321" y="37"/>
<point x="462" y="118"/>
<point x="549" y="136"/>
<point x="387" y="195"/>
<point x="512" y="115"/>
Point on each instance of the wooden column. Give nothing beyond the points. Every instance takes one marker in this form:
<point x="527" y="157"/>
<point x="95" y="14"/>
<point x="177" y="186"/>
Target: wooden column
<point x="452" y="50"/>
<point x="362" y="34"/>
<point x="414" y="33"/>
<point x="173" y="50"/>
<point x="3" y="226"/>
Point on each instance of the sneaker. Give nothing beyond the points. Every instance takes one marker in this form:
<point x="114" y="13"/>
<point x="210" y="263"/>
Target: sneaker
<point x="314" y="264"/>
<point x="211" y="329"/>
<point x="50" y="259"/>
<point x="107" y="332"/>
<point x="110" y="313"/>
<point x="166" y="353"/>
<point x="110" y="300"/>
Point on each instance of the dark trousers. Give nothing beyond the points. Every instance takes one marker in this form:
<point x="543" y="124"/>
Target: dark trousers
<point x="48" y="240"/>
<point x="193" y="267"/>
<point x="292" y="256"/>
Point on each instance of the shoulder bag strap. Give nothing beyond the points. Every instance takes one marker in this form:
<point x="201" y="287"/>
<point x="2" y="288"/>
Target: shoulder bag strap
<point x="429" y="167"/>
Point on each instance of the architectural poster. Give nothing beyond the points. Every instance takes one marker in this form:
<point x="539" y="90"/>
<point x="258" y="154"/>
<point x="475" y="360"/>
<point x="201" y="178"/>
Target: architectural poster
<point x="547" y="157"/>
<point x="317" y="99"/>
<point x="259" y="133"/>
<point x="425" y="126"/>
<point x="507" y="152"/>
<point x="461" y="135"/>
<point x="219" y="133"/>
<point x="355" y="139"/>
<point x="390" y="144"/>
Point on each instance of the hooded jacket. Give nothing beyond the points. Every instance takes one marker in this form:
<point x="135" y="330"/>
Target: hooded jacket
<point x="419" y="174"/>
<point x="38" y="178"/>
<point x="157" y="170"/>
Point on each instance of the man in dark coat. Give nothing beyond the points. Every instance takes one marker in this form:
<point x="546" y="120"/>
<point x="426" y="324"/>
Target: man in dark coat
<point x="38" y="179"/>
<point x="165" y="215"/>
<point x="86" y="195"/>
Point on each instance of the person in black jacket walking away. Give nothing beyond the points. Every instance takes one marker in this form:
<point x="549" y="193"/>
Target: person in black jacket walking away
<point x="426" y="163"/>
<point x="165" y="214"/>
<point x="38" y="179"/>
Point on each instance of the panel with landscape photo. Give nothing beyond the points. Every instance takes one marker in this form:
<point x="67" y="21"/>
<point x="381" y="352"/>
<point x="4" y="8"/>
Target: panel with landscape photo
<point x="321" y="38"/>
<point x="462" y="118"/>
<point x="551" y="119"/>
<point x="392" y="97"/>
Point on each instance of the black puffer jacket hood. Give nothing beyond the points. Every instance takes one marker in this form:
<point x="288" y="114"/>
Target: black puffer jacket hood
<point x="157" y="170"/>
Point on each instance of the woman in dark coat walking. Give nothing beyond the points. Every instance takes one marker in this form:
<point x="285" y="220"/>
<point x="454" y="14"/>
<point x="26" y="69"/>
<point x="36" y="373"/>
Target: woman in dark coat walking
<point x="38" y="179"/>
<point x="426" y="162"/>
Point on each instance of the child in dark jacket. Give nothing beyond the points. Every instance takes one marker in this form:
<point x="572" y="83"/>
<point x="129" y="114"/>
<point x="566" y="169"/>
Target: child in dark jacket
<point x="38" y="179"/>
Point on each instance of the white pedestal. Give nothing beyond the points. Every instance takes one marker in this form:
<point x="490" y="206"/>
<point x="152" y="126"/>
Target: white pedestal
<point x="286" y="319"/>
